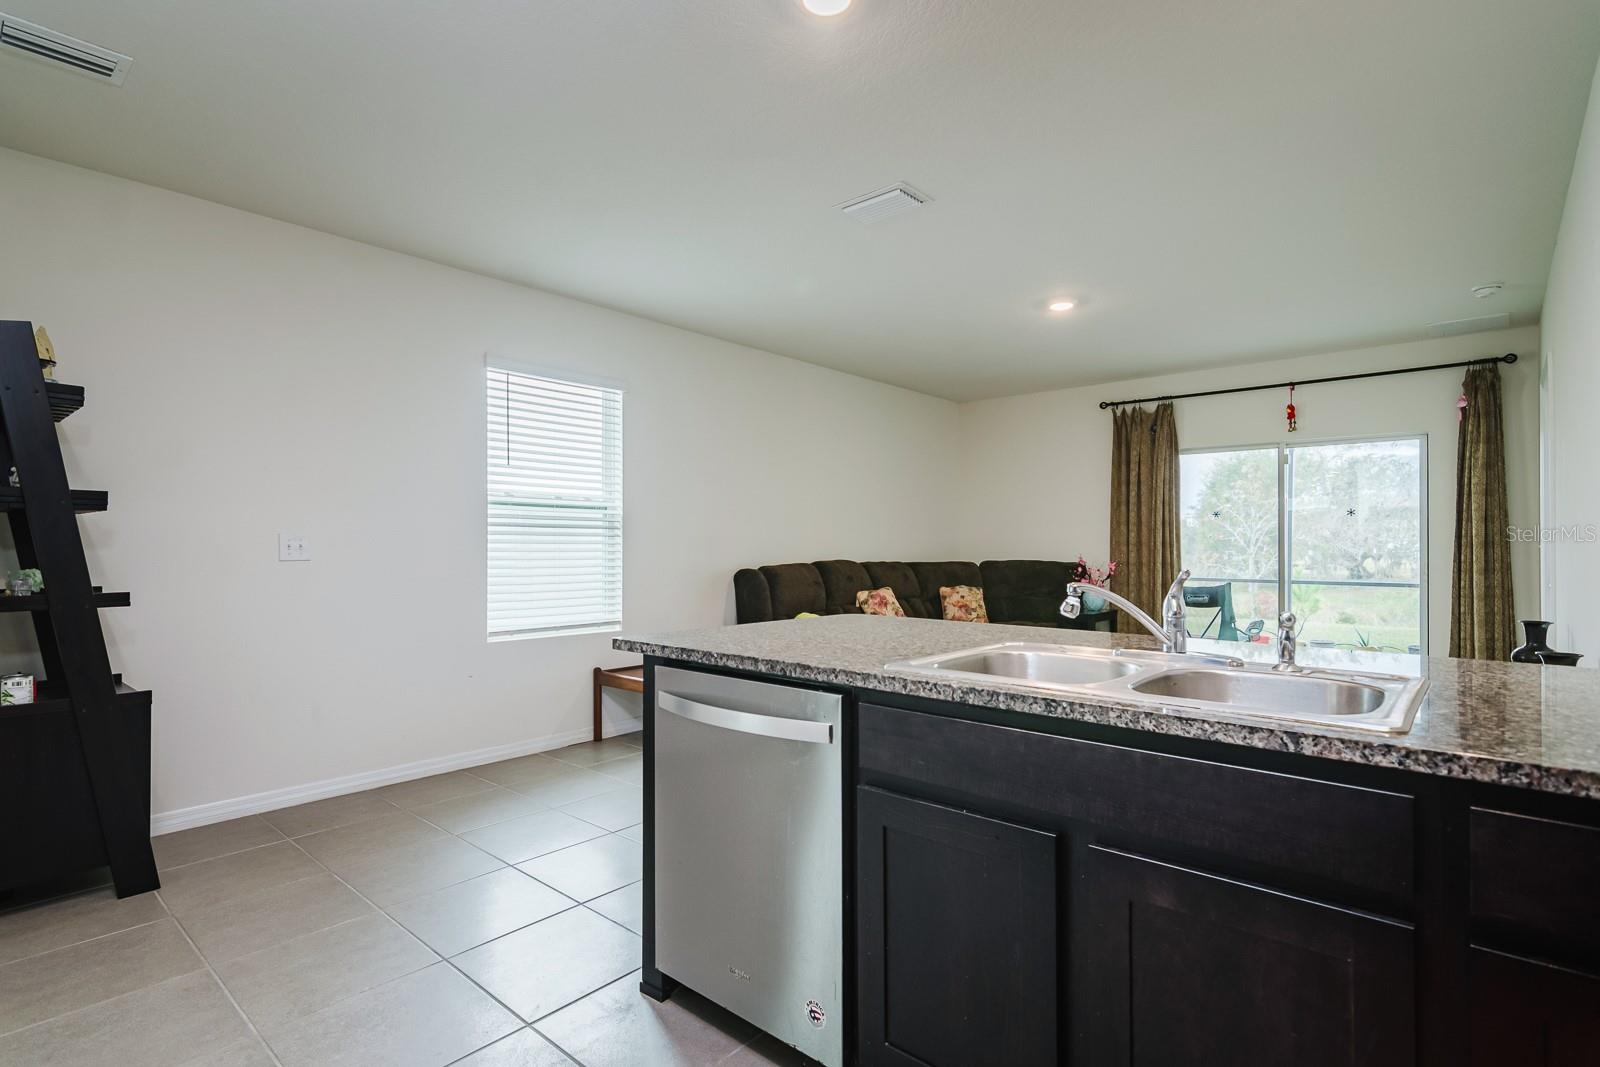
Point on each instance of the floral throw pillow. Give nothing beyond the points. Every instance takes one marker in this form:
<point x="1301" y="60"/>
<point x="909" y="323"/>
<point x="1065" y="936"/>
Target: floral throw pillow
<point x="962" y="603"/>
<point x="880" y="602"/>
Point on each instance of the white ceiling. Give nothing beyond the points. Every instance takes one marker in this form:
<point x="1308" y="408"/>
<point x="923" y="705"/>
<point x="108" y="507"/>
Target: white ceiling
<point x="1214" y="182"/>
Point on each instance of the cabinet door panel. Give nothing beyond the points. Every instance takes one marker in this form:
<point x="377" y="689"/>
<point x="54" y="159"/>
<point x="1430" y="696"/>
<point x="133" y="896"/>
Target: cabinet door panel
<point x="1535" y="883"/>
<point x="1532" y="1014"/>
<point x="956" y="937"/>
<point x="1201" y="970"/>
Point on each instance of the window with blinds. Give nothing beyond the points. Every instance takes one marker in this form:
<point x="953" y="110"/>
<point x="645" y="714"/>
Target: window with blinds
<point x="555" y="506"/>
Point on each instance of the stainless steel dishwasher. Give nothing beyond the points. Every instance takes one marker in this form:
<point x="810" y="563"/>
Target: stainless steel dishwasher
<point x="748" y="839"/>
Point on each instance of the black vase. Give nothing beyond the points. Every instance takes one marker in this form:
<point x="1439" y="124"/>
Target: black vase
<point x="1536" y="630"/>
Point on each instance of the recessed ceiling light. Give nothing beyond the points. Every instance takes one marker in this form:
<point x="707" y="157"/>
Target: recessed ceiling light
<point x="1062" y="305"/>
<point x="826" y="7"/>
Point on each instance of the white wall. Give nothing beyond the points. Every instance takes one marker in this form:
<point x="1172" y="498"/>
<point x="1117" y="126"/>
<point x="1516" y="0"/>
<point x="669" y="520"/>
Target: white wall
<point x="1037" y="467"/>
<point x="247" y="377"/>
<point x="1571" y="336"/>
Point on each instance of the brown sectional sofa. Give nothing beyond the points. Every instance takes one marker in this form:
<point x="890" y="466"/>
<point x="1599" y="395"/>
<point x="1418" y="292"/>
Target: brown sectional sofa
<point x="1018" y="591"/>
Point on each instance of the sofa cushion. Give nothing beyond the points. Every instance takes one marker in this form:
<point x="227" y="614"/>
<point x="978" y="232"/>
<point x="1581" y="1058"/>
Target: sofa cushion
<point x="962" y="603"/>
<point x="1025" y="590"/>
<point x="903" y="580"/>
<point x="795" y="587"/>
<point x="879" y="602"/>
<point x="930" y="576"/>
<point x="842" y="579"/>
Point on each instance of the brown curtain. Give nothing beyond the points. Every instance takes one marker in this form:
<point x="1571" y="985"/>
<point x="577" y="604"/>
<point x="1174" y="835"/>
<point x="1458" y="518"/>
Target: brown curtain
<point x="1481" y="616"/>
<point x="1144" y="507"/>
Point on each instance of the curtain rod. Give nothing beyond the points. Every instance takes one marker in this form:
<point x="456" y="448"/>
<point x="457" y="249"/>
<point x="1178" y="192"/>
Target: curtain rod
<point x="1509" y="357"/>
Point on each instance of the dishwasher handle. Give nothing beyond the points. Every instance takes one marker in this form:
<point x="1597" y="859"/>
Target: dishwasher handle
<point x="745" y="722"/>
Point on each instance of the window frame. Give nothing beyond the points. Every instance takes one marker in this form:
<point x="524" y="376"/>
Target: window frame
<point x="493" y="364"/>
<point x="1286" y="579"/>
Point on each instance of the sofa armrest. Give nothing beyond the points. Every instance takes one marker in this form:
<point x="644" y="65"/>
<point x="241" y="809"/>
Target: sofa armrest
<point x="752" y="600"/>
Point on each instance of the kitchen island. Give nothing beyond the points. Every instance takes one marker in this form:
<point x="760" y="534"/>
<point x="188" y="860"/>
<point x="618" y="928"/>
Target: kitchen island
<point x="1036" y="877"/>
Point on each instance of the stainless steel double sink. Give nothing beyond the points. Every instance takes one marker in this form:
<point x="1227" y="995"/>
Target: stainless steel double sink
<point x="1217" y="685"/>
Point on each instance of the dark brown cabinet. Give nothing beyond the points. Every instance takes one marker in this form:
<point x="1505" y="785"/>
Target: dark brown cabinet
<point x="957" y="935"/>
<point x="1194" y="969"/>
<point x="1532" y="1014"/>
<point x="1029" y="899"/>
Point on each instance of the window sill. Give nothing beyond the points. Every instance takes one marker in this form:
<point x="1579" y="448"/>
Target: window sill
<point x="575" y="631"/>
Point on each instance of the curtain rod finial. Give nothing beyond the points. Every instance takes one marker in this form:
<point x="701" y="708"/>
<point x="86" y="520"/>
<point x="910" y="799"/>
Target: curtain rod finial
<point x="1509" y="357"/>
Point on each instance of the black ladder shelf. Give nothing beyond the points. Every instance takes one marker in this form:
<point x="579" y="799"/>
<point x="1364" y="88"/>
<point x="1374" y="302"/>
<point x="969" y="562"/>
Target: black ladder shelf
<point x="74" y="764"/>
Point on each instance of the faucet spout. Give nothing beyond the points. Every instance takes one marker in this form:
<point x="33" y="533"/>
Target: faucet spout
<point x="1174" y="634"/>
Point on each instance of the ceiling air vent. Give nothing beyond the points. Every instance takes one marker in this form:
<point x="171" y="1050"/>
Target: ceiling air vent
<point x="60" y="50"/>
<point x="884" y="203"/>
<point x="1456" y="327"/>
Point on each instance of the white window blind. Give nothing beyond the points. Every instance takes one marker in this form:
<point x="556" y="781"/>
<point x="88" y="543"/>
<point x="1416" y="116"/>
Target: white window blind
<point x="555" y="506"/>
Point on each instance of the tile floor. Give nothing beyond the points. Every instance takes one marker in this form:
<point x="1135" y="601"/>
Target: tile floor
<point x="487" y="918"/>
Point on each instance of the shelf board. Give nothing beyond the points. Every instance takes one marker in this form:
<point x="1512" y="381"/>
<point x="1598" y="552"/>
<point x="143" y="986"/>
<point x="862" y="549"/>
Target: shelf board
<point x="50" y="698"/>
<point x="82" y="499"/>
<point x="64" y="399"/>
<point x="38" y="601"/>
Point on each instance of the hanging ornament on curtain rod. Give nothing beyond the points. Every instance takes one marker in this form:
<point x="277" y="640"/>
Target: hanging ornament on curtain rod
<point x="1289" y="411"/>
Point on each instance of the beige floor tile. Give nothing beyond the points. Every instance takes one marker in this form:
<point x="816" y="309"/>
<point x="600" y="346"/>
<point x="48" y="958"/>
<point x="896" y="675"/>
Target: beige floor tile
<point x="636" y="738"/>
<point x="426" y="1019"/>
<point x="592" y="753"/>
<point x="65" y="921"/>
<point x="522" y="770"/>
<point x="479" y="910"/>
<point x="184" y="1020"/>
<point x="590" y="869"/>
<point x="550" y="964"/>
<point x="249" y="924"/>
<point x="326" y="814"/>
<point x="621" y="1027"/>
<point x="628" y="769"/>
<point x="625" y="906"/>
<point x="613" y="811"/>
<point x="399" y="874"/>
<point x="209" y="842"/>
<point x="497" y="804"/>
<point x="347" y="844"/>
<point x="414" y="794"/>
<point x="633" y="833"/>
<point x="522" y="1049"/>
<point x="532" y="835"/>
<point x="289" y="981"/>
<point x="54" y="983"/>
<point x="247" y="1053"/>
<point x="766" y="1051"/>
<point x="574" y="783"/>
<point x="211" y="882"/>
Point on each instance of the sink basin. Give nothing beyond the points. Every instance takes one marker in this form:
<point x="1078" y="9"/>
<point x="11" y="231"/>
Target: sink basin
<point x="1290" y="694"/>
<point x="1039" y="665"/>
<point x="1216" y="685"/>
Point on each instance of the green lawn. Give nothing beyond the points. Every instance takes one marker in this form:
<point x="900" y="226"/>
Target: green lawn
<point x="1387" y="618"/>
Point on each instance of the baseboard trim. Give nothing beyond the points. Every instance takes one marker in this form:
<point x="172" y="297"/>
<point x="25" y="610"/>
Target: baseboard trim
<point x="167" y="822"/>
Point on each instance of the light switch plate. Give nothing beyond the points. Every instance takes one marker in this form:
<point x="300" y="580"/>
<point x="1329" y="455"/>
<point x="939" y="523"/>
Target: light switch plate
<point x="292" y="548"/>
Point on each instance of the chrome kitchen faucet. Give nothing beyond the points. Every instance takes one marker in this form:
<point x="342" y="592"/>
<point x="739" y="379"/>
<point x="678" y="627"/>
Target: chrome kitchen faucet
<point x="1174" y="635"/>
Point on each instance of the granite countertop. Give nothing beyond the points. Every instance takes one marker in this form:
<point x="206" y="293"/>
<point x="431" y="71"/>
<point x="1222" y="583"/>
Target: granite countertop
<point x="1508" y="723"/>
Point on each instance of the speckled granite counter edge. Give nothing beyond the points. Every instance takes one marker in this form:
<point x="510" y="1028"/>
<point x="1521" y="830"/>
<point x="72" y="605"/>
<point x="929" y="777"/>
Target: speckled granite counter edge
<point x="1369" y="749"/>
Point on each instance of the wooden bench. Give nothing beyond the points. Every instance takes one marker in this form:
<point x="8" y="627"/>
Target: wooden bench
<point x="629" y="678"/>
